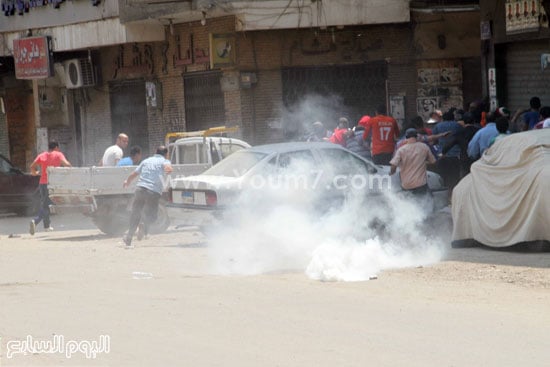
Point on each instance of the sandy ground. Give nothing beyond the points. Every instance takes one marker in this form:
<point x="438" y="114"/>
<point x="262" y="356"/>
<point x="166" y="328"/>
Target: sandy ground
<point x="477" y="307"/>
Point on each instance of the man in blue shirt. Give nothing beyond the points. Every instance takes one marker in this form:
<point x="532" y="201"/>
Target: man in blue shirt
<point x="480" y="141"/>
<point x="532" y="117"/>
<point x="527" y="119"/>
<point x="448" y="166"/>
<point x="451" y="127"/>
<point x="133" y="159"/>
<point x="148" y="191"/>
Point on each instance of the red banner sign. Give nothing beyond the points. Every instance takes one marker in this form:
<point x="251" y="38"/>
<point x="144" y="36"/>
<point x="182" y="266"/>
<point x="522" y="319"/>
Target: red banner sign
<point x="33" y="58"/>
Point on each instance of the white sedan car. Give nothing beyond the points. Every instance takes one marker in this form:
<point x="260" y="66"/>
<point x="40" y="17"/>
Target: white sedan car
<point x="314" y="176"/>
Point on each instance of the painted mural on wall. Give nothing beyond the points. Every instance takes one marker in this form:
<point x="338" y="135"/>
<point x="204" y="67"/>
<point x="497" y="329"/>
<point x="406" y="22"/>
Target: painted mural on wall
<point x="439" y="86"/>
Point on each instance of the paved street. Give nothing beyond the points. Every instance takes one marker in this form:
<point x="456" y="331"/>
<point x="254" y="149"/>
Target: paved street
<point x="161" y="304"/>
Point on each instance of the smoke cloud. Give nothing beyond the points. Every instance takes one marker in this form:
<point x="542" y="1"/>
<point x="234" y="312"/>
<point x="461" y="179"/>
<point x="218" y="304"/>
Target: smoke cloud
<point x="281" y="230"/>
<point x="298" y="118"/>
<point x="277" y="229"/>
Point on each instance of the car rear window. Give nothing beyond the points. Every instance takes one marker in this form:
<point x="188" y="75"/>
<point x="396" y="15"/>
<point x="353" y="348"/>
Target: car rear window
<point x="343" y="162"/>
<point x="236" y="165"/>
<point x="229" y="148"/>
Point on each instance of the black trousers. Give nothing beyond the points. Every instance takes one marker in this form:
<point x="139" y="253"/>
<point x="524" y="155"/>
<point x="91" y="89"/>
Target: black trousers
<point x="145" y="201"/>
<point x="44" y="210"/>
<point x="449" y="169"/>
<point x="422" y="195"/>
<point x="419" y="191"/>
<point x="382" y="158"/>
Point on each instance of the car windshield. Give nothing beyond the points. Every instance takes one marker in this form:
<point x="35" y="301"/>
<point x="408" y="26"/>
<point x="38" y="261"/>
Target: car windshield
<point x="236" y="165"/>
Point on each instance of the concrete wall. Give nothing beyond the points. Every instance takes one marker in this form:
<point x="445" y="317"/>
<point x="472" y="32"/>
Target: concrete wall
<point x="461" y="32"/>
<point x="271" y="14"/>
<point x="82" y="36"/>
<point x="69" y="12"/>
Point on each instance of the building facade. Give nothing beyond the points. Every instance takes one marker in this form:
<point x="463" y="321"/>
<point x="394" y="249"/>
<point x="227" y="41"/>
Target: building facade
<point x="516" y="52"/>
<point x="270" y="70"/>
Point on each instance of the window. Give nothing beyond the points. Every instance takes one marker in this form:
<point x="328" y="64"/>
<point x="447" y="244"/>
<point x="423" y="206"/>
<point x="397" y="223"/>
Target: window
<point x="300" y="160"/>
<point x="236" y="164"/>
<point x="344" y="163"/>
<point x="229" y="148"/>
<point x="192" y="154"/>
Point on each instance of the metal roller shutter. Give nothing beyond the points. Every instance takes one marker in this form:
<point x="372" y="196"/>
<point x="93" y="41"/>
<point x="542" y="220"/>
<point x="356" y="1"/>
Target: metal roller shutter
<point x="350" y="91"/>
<point x="129" y="112"/>
<point x="524" y="75"/>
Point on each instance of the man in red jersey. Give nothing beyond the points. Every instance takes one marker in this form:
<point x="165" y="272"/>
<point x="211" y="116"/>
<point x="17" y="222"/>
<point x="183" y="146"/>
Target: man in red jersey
<point x="385" y="133"/>
<point x="52" y="158"/>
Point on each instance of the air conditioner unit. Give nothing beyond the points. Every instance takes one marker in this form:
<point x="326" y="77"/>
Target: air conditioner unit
<point x="79" y="73"/>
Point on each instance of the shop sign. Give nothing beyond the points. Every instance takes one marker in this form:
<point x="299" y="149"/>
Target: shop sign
<point x="492" y="82"/>
<point x="522" y="16"/>
<point x="33" y="58"/>
<point x="222" y="50"/>
<point x="485" y="30"/>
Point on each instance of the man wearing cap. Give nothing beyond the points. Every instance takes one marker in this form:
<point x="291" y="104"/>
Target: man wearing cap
<point x="412" y="159"/>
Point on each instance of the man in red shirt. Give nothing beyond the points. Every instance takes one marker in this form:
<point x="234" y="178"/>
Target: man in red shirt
<point x="385" y="133"/>
<point x="52" y="158"/>
<point x="341" y="132"/>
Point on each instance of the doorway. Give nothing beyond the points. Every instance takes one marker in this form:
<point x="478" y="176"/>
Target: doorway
<point x="129" y="113"/>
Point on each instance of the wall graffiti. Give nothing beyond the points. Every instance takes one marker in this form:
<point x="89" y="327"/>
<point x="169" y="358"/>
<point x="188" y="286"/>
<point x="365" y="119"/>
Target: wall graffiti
<point x="142" y="61"/>
<point x="190" y="55"/>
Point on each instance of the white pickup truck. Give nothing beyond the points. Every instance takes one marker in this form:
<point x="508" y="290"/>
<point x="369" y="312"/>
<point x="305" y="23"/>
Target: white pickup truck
<point x="98" y="192"/>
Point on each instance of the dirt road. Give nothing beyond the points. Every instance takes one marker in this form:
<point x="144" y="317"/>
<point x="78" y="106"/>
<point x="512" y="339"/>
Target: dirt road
<point x="477" y="307"/>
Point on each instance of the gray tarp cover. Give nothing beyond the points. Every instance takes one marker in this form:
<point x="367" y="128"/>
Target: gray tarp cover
<point x="506" y="197"/>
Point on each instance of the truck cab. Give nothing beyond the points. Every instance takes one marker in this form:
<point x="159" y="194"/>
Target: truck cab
<point x="204" y="146"/>
<point x="203" y="150"/>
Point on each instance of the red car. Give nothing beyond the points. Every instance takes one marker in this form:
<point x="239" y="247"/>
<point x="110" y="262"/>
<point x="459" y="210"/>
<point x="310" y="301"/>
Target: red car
<point x="18" y="190"/>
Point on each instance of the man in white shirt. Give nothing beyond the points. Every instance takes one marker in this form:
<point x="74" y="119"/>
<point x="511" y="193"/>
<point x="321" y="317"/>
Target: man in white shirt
<point x="114" y="153"/>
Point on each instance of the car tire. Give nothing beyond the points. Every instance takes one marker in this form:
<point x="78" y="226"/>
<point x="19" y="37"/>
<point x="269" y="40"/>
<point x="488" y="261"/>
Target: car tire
<point x="111" y="218"/>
